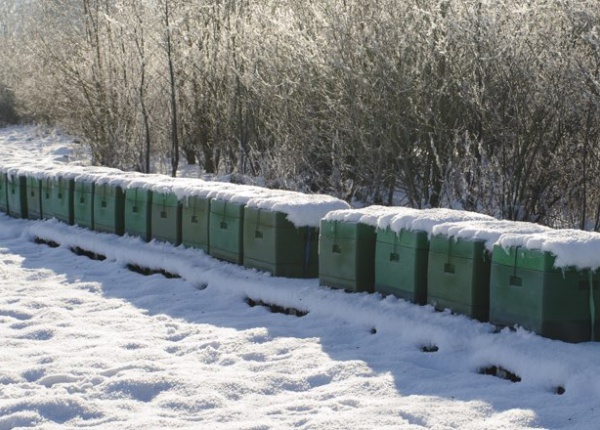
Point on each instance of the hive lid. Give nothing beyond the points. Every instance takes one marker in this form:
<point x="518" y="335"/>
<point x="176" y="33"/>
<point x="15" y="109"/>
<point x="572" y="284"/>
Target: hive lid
<point x="572" y="248"/>
<point x="375" y="216"/>
<point x="426" y="219"/>
<point x="489" y="232"/>
<point x="302" y="210"/>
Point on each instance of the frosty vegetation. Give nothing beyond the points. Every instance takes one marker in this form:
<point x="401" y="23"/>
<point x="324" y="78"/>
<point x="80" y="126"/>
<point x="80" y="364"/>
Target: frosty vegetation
<point x="490" y="106"/>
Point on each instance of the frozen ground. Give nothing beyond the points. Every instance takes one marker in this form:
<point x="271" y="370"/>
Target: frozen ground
<point x="91" y="344"/>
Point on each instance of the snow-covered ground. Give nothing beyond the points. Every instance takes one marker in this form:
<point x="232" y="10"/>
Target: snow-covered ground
<point x="91" y="344"/>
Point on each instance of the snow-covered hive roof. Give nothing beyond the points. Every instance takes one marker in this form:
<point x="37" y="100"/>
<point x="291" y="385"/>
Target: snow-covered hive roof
<point x="302" y="210"/>
<point x="375" y="216"/>
<point x="30" y="169"/>
<point x="400" y="217"/>
<point x="572" y="248"/>
<point x="489" y="232"/>
<point x="144" y="181"/>
<point x="242" y="194"/>
<point x="426" y="219"/>
<point x="38" y="171"/>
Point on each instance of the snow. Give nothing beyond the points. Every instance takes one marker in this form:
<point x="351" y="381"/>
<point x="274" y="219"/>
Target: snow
<point x="374" y="216"/>
<point x="426" y="219"/>
<point x="572" y="248"/>
<point x="301" y="209"/>
<point x="398" y="217"/>
<point x="490" y="232"/>
<point x="90" y="344"/>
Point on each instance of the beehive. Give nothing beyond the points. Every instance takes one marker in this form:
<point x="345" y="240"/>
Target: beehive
<point x="83" y="203"/>
<point x="16" y="189"/>
<point x="3" y="193"/>
<point x="137" y="212"/>
<point x="225" y="230"/>
<point x="34" y="198"/>
<point x="61" y="208"/>
<point x="109" y="208"/>
<point x="527" y="290"/>
<point x="166" y="217"/>
<point x="458" y="276"/>
<point x="347" y="255"/>
<point x="459" y="263"/>
<point x="194" y="222"/>
<point x="401" y="264"/>
<point x="273" y="244"/>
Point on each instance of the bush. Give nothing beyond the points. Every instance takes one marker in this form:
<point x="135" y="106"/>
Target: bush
<point x="8" y="113"/>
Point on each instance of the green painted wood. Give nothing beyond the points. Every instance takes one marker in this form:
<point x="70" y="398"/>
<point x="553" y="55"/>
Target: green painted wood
<point x="3" y="193"/>
<point x="109" y="209"/>
<point x="34" y="198"/>
<point x="458" y="276"/>
<point x="166" y="217"/>
<point x="46" y="197"/>
<point x="225" y="230"/>
<point x="195" y="214"/>
<point x="83" y="204"/>
<point x="273" y="244"/>
<point x="16" y="189"/>
<point x="62" y="199"/>
<point x="347" y="256"/>
<point x="401" y="264"/>
<point x="526" y="290"/>
<point x="138" y="217"/>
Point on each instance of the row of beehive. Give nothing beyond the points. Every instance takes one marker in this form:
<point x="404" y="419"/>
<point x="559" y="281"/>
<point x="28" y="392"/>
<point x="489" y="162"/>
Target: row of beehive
<point x="508" y="287"/>
<point x="228" y="230"/>
<point x="520" y="286"/>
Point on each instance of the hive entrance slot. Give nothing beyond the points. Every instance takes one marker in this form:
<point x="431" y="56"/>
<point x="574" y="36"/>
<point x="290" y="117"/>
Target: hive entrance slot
<point x="500" y="372"/>
<point x="516" y="281"/>
<point x="276" y="308"/>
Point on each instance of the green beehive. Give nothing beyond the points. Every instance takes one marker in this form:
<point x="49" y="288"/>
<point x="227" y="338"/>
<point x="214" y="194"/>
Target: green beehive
<point x="62" y="199"/>
<point x="194" y="222"/>
<point x="458" y="276"/>
<point x="166" y="217"/>
<point x="109" y="203"/>
<point x="225" y="230"/>
<point x="526" y="289"/>
<point x="273" y="244"/>
<point x="347" y="255"/>
<point x="3" y="194"/>
<point x="46" y="197"/>
<point x="16" y="189"/>
<point x="401" y="264"/>
<point x="34" y="198"/>
<point x="138" y="205"/>
<point x="83" y="203"/>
